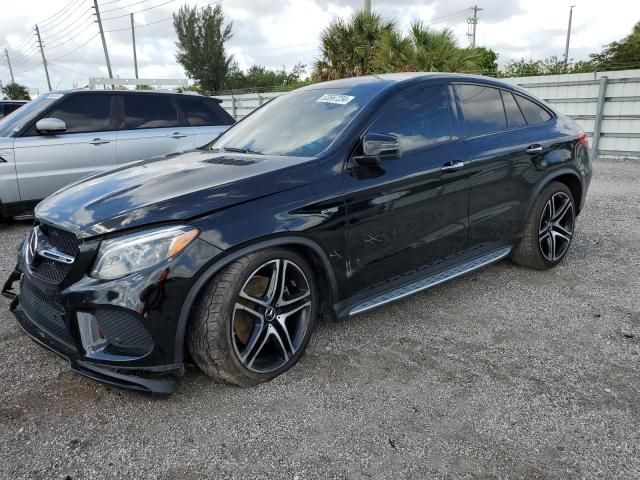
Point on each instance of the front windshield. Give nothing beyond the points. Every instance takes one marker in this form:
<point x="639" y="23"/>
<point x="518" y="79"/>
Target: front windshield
<point x="16" y="119"/>
<point x="301" y="123"/>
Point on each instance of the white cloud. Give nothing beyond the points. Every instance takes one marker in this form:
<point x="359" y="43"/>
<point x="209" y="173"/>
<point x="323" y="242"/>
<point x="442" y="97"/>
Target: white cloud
<point x="284" y="32"/>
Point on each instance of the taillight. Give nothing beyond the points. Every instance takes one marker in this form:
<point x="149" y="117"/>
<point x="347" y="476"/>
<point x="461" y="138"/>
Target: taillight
<point x="582" y="138"/>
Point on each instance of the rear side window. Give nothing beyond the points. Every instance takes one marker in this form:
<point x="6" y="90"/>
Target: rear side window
<point x="514" y="115"/>
<point x="11" y="108"/>
<point x="418" y="117"/>
<point x="533" y="112"/>
<point x="83" y="113"/>
<point x="203" y="112"/>
<point x="149" y="111"/>
<point x="482" y="109"/>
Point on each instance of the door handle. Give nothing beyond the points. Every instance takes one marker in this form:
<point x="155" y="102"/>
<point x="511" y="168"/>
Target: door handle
<point x="177" y="135"/>
<point x="533" y="149"/>
<point x="99" y="141"/>
<point x="452" y="166"/>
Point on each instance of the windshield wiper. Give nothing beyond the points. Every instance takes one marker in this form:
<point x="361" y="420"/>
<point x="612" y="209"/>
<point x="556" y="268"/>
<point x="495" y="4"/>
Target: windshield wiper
<point x="241" y="150"/>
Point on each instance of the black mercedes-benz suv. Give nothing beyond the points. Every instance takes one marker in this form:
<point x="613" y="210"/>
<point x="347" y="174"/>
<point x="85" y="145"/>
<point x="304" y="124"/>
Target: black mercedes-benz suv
<point x="328" y="201"/>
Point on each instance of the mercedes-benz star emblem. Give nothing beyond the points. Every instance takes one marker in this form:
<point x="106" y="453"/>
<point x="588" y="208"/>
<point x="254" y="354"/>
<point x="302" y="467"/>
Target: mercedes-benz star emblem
<point x="32" y="246"/>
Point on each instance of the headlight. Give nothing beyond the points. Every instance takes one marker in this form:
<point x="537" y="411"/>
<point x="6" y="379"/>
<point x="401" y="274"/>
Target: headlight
<point x="130" y="253"/>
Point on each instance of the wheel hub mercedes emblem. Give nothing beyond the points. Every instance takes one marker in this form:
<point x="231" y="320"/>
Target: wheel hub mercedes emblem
<point x="269" y="314"/>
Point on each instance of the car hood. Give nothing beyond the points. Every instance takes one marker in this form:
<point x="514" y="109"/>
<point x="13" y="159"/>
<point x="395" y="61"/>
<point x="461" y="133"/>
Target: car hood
<point x="174" y="187"/>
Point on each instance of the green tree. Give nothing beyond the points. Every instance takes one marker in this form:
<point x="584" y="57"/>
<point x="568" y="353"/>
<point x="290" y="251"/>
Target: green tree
<point x="15" y="91"/>
<point x="620" y="55"/>
<point x="547" y="66"/>
<point x="348" y="47"/>
<point x="262" y="77"/>
<point x="487" y="61"/>
<point x="201" y="39"/>
<point x="425" y="50"/>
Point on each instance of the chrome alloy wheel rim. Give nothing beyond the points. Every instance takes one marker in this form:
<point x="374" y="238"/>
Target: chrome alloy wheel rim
<point x="271" y="316"/>
<point x="556" y="226"/>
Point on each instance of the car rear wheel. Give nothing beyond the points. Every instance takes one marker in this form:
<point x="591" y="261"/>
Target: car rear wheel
<point x="254" y="319"/>
<point x="549" y="229"/>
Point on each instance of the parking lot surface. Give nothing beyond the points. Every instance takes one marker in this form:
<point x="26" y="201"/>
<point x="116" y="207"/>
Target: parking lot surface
<point x="505" y="373"/>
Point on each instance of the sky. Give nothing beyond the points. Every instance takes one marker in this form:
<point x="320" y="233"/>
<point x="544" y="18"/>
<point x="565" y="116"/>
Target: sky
<point x="279" y="33"/>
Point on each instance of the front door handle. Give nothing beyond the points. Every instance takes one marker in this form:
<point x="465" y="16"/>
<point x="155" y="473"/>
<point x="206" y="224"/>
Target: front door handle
<point x="452" y="166"/>
<point x="99" y="141"/>
<point x="177" y="135"/>
<point x="533" y="149"/>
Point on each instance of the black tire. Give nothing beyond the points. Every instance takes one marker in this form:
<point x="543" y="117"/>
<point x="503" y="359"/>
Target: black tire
<point x="533" y="251"/>
<point x="210" y="337"/>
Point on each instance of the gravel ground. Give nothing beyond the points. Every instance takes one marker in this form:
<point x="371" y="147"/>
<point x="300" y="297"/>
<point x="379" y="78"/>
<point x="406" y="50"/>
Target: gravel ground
<point x="506" y="373"/>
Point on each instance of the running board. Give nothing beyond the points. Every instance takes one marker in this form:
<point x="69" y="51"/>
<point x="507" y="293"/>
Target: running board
<point x="432" y="280"/>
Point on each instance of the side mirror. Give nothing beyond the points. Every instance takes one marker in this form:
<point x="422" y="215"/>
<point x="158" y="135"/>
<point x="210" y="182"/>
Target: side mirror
<point x="50" y="126"/>
<point x="381" y="145"/>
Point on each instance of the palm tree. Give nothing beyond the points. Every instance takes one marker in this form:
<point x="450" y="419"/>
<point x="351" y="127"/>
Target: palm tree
<point x="15" y="91"/>
<point x="423" y="50"/>
<point x="349" y="46"/>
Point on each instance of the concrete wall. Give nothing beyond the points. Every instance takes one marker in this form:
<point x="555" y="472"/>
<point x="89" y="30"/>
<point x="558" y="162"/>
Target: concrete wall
<point x="575" y="95"/>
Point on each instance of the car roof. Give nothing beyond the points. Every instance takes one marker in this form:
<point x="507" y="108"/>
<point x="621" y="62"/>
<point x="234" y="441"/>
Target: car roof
<point x="133" y="92"/>
<point x="13" y="101"/>
<point x="386" y="80"/>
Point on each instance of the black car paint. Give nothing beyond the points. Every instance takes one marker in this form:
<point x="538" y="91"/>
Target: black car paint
<point x="360" y="225"/>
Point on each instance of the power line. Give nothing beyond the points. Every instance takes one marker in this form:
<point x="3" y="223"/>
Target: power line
<point x="74" y="35"/>
<point x="126" y="6"/>
<point x="50" y="20"/>
<point x="75" y="49"/>
<point x="139" y="11"/>
<point x="161" y="20"/>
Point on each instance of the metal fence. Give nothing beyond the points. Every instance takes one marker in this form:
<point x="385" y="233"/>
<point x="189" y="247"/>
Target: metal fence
<point x="606" y="104"/>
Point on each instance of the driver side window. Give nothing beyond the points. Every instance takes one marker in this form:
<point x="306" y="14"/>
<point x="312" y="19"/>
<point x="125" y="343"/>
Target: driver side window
<point x="419" y="117"/>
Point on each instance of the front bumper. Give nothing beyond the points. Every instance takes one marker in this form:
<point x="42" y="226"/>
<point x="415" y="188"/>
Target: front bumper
<point x="140" y="312"/>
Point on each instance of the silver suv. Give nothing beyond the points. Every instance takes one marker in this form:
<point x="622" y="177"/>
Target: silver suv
<point x="63" y="136"/>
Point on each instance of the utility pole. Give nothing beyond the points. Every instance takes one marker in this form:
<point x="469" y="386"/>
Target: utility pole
<point x="473" y="21"/>
<point x="135" y="55"/>
<point x="367" y="6"/>
<point x="104" y="43"/>
<point x="6" y="53"/>
<point x="44" y="60"/>
<point x="566" y="48"/>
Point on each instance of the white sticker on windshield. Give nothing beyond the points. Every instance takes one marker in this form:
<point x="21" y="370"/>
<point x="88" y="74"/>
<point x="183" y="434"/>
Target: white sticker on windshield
<point x="55" y="95"/>
<point x="337" y="99"/>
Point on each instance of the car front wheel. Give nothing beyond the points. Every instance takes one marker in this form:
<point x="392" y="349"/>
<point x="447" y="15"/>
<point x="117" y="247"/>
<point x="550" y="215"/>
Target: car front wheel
<point x="549" y="229"/>
<point x="254" y="319"/>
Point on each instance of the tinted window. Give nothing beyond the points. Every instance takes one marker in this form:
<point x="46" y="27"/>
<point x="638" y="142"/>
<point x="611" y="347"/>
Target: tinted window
<point x="419" y="117"/>
<point x="482" y="109"/>
<point x="300" y="123"/>
<point x="84" y="113"/>
<point x="11" y="108"/>
<point x="203" y="111"/>
<point x="11" y="124"/>
<point x="533" y="112"/>
<point x="514" y="115"/>
<point x="149" y="111"/>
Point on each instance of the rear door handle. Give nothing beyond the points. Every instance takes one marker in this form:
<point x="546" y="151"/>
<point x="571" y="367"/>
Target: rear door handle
<point x="99" y="141"/>
<point x="177" y="135"/>
<point x="533" y="149"/>
<point x="452" y="166"/>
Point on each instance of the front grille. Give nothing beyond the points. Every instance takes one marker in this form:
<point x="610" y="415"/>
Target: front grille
<point x="50" y="270"/>
<point x="45" y="312"/>
<point x="124" y="330"/>
<point x="66" y="242"/>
